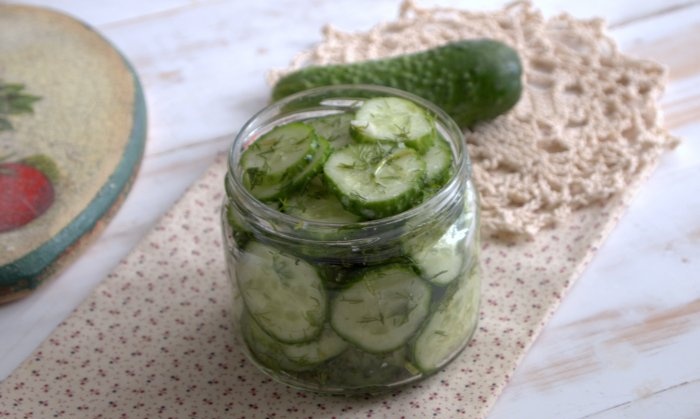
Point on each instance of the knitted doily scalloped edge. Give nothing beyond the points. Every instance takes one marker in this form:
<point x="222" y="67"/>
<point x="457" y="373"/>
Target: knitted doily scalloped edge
<point x="586" y="126"/>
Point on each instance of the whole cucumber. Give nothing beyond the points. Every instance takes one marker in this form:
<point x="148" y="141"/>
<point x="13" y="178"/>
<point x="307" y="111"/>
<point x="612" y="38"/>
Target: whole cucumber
<point x="471" y="80"/>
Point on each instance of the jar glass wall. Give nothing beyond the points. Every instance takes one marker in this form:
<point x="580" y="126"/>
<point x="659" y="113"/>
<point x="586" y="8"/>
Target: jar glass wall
<point x="356" y="306"/>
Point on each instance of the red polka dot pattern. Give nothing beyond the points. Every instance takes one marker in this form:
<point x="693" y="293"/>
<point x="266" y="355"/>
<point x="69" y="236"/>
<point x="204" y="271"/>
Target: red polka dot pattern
<point x="154" y="338"/>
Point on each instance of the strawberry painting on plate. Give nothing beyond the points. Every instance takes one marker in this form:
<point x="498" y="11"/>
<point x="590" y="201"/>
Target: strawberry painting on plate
<point x="72" y="135"/>
<point x="26" y="191"/>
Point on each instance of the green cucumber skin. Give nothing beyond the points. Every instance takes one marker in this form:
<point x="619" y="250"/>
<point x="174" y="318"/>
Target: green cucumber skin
<point x="376" y="285"/>
<point x="471" y="80"/>
<point x="376" y="209"/>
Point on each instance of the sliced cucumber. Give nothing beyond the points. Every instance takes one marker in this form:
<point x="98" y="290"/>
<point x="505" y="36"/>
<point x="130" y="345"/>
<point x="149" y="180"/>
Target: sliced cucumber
<point x="334" y="128"/>
<point x="235" y="225"/>
<point x="327" y="346"/>
<point x="266" y="350"/>
<point x="355" y="368"/>
<point x="382" y="310"/>
<point x="284" y="294"/>
<point x="290" y="357"/>
<point x="279" y="154"/>
<point x="317" y="203"/>
<point x="336" y="276"/>
<point x="394" y="120"/>
<point x="268" y="191"/>
<point x="438" y="164"/>
<point x="374" y="182"/>
<point x="440" y="262"/>
<point x="450" y="326"/>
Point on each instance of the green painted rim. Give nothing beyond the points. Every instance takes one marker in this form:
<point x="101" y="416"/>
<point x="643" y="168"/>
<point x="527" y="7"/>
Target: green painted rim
<point x="34" y="266"/>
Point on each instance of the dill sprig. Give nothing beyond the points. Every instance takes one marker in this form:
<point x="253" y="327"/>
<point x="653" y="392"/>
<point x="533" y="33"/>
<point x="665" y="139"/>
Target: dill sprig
<point x="13" y="101"/>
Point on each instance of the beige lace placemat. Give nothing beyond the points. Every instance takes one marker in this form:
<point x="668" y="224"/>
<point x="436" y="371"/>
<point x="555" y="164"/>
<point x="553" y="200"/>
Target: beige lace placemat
<point x="586" y="126"/>
<point x="154" y="340"/>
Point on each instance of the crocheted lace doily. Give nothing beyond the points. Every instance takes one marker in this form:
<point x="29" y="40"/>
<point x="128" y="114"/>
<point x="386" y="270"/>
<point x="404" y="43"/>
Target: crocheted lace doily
<point x="586" y="124"/>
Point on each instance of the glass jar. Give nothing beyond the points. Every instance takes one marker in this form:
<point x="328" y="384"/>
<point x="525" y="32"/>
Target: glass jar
<point x="352" y="307"/>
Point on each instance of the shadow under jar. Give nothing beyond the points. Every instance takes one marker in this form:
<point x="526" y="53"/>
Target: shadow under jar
<point x="349" y="305"/>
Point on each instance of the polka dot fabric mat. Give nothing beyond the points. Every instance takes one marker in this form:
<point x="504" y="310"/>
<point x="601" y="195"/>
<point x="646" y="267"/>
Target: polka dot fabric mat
<point x="154" y="338"/>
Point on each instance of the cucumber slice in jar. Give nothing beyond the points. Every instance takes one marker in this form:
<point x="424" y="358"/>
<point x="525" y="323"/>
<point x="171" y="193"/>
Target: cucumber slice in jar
<point x="373" y="181"/>
<point x="334" y="128"/>
<point x="283" y="294"/>
<point x="394" y="121"/>
<point x="438" y="164"/>
<point x="450" y="326"/>
<point x="327" y="346"/>
<point x="381" y="311"/>
<point x="293" y="357"/>
<point x="283" y="160"/>
<point x="317" y="203"/>
<point x="266" y="350"/>
<point x="356" y="368"/>
<point x="440" y="262"/>
<point x="235" y="226"/>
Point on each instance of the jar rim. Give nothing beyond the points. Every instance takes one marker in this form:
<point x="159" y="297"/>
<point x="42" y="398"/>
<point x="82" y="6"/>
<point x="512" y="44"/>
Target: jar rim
<point x="455" y="137"/>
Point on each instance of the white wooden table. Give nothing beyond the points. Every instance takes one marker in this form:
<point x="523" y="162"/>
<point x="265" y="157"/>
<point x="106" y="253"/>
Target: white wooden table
<point x="625" y="343"/>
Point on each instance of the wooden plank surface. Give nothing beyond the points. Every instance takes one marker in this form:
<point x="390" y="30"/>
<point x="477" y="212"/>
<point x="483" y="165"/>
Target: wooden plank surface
<point x="630" y="353"/>
<point x="624" y="342"/>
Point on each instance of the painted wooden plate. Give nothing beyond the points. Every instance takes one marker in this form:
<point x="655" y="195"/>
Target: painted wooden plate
<point x="72" y="134"/>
